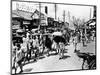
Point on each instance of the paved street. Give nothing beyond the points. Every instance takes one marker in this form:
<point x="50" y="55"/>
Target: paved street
<point x="52" y="63"/>
<point x="90" y="47"/>
<point x="36" y="26"/>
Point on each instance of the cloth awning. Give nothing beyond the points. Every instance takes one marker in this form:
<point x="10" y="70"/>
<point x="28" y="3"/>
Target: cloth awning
<point x="57" y="33"/>
<point x="19" y="30"/>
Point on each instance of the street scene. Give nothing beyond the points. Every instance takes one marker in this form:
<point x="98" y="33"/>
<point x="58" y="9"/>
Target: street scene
<point x="49" y="37"/>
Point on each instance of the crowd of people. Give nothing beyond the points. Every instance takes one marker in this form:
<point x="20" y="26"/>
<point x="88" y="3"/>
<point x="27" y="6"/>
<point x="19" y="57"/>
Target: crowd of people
<point x="35" y="45"/>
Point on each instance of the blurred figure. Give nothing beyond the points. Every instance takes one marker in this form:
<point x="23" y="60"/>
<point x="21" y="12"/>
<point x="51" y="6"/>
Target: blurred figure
<point x="35" y="45"/>
<point x="48" y="44"/>
<point x="93" y="35"/>
<point x="79" y="37"/>
<point x="75" y="41"/>
<point x="29" y="47"/>
<point x="83" y="39"/>
<point x="54" y="46"/>
<point x="61" y="49"/>
<point x="14" y="49"/>
<point x="27" y="34"/>
<point x="24" y="48"/>
<point x="19" y="58"/>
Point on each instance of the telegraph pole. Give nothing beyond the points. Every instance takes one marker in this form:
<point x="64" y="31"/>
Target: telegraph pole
<point x="17" y="6"/>
<point x="39" y="15"/>
<point x="90" y="13"/>
<point x="55" y="11"/>
<point x="69" y="18"/>
<point x="64" y="16"/>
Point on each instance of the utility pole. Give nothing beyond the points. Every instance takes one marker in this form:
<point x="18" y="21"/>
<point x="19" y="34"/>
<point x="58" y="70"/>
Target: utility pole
<point x="90" y="13"/>
<point x="40" y="12"/>
<point x="58" y="19"/>
<point x="69" y="18"/>
<point x="39" y="15"/>
<point x="17" y="6"/>
<point x="64" y="16"/>
<point x="55" y="11"/>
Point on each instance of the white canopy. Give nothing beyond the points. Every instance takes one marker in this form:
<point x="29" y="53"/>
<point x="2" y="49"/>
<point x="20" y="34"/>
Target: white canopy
<point x="93" y="23"/>
<point x="33" y="30"/>
<point x="19" y="30"/>
<point x="57" y="33"/>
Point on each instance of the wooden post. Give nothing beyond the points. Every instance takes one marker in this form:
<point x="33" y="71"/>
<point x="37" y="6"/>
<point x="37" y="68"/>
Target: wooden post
<point x="55" y="11"/>
<point x="39" y="16"/>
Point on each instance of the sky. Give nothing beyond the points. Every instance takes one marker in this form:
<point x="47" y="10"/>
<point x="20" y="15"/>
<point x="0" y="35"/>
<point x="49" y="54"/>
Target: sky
<point x="81" y="12"/>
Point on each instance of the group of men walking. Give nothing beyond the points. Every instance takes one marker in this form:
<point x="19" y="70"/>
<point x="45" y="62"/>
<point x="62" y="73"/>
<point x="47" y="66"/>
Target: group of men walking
<point x="32" y="47"/>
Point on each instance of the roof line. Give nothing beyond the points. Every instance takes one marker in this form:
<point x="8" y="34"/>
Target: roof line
<point x="54" y="3"/>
